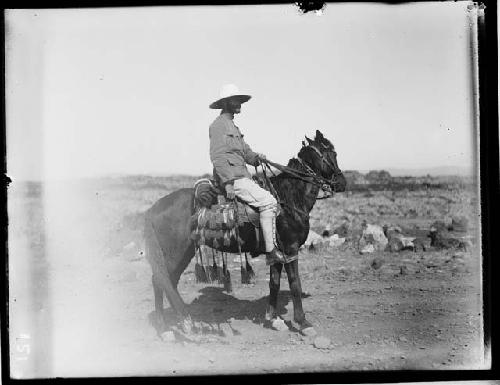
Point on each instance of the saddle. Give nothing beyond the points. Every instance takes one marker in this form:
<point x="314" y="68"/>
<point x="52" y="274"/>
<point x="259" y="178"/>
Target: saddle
<point x="216" y="218"/>
<point x="208" y="192"/>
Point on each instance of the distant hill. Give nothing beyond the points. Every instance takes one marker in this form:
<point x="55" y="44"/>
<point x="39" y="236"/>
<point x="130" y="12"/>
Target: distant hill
<point x="433" y="171"/>
<point x="366" y="176"/>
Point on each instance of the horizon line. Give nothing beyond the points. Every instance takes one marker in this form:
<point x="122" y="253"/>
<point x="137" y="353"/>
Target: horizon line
<point x="461" y="171"/>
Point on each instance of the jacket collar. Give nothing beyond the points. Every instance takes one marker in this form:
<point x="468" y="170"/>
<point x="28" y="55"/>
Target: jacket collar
<point x="227" y="116"/>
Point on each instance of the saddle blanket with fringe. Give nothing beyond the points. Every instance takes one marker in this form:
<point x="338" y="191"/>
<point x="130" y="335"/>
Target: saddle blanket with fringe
<point x="217" y="225"/>
<point x="214" y="225"/>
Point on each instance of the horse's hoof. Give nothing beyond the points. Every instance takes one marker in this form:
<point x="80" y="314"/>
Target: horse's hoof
<point x="157" y="321"/>
<point x="308" y="331"/>
<point x="279" y="324"/>
<point x="270" y="315"/>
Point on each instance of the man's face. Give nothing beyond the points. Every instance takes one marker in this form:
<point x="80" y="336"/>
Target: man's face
<point x="234" y="105"/>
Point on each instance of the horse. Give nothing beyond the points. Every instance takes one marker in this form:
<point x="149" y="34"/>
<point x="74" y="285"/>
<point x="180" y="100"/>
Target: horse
<point x="169" y="248"/>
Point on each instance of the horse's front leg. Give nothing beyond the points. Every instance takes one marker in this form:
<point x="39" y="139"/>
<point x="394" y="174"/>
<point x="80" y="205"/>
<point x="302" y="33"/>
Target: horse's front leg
<point x="292" y="271"/>
<point x="274" y="288"/>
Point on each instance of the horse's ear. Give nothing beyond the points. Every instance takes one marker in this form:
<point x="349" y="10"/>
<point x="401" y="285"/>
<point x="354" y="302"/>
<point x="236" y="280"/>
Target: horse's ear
<point x="319" y="135"/>
<point x="309" y="140"/>
<point x="303" y="144"/>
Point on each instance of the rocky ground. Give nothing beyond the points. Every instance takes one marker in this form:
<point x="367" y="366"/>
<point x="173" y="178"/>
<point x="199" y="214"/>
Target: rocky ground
<point x="373" y="312"/>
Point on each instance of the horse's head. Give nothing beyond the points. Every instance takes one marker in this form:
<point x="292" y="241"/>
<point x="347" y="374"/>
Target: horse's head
<point x="320" y="155"/>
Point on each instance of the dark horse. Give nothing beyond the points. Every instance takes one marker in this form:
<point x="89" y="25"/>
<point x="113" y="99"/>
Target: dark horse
<point x="169" y="248"/>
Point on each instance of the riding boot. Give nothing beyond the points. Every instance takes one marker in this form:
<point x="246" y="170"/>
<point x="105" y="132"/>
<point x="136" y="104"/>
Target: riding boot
<point x="268" y="224"/>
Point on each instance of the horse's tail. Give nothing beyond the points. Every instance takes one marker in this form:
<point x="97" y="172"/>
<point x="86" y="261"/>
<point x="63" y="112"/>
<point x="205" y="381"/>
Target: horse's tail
<point x="153" y="251"/>
<point x="156" y="258"/>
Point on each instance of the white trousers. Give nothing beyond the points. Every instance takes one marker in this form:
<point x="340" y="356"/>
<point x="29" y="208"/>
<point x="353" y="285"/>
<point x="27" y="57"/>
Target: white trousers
<point x="250" y="192"/>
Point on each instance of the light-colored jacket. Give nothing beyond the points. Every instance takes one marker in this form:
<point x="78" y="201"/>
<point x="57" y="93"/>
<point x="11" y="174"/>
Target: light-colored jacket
<point x="229" y="152"/>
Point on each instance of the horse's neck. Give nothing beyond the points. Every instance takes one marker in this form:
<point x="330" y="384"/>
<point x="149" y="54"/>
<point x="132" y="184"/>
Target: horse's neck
<point x="296" y="192"/>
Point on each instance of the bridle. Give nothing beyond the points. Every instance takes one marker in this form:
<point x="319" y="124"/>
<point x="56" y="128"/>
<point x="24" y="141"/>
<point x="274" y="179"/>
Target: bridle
<point x="335" y="170"/>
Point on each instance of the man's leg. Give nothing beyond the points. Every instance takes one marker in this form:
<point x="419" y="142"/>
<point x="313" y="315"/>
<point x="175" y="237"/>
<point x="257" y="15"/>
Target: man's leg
<point x="250" y="192"/>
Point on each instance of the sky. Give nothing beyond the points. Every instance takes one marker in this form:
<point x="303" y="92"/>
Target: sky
<point x="92" y="92"/>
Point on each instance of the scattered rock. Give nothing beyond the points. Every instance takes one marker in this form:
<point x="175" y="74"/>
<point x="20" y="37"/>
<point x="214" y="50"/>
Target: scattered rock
<point x="407" y="242"/>
<point x="458" y="255"/>
<point x="335" y="241"/>
<point x="307" y="339"/>
<point x="322" y="342"/>
<point x="314" y="240"/>
<point x="279" y="324"/>
<point x="367" y="249"/>
<point x="342" y="230"/>
<point x="309" y="332"/>
<point x="395" y="244"/>
<point x="372" y="235"/>
<point x="226" y="330"/>
<point x="392" y="231"/>
<point x="168" y="336"/>
<point x="204" y="327"/>
<point x="420" y="244"/>
<point x="459" y="223"/>
<point x="444" y="240"/>
<point x="377" y="263"/>
<point x="396" y="240"/>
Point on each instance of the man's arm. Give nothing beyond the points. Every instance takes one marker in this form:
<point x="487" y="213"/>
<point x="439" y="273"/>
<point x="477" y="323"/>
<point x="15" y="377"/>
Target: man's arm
<point x="222" y="169"/>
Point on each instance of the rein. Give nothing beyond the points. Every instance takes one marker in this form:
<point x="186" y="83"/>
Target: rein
<point x="308" y="176"/>
<point x="273" y="190"/>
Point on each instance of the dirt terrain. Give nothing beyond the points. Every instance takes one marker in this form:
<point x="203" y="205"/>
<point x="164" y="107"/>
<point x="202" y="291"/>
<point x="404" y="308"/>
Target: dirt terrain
<point x="90" y="299"/>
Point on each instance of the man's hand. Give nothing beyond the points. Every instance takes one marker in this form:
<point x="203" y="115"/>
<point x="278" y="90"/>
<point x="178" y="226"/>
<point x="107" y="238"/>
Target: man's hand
<point x="261" y="156"/>
<point x="230" y="192"/>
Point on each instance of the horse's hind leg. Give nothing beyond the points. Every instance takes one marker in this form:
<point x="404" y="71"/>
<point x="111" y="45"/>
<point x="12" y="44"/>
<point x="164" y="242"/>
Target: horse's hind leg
<point x="162" y="282"/>
<point x="158" y="315"/>
<point x="158" y="291"/>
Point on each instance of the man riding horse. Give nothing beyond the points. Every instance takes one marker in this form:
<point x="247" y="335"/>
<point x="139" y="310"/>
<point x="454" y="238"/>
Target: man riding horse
<point x="168" y="222"/>
<point x="229" y="152"/>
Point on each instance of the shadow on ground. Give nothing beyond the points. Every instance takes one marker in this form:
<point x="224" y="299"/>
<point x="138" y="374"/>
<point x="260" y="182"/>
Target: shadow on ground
<point x="214" y="308"/>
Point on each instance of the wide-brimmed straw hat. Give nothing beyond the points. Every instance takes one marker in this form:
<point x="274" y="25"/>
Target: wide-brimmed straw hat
<point x="229" y="91"/>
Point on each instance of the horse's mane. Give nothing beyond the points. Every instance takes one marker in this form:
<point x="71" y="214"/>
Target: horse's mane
<point x="293" y="190"/>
